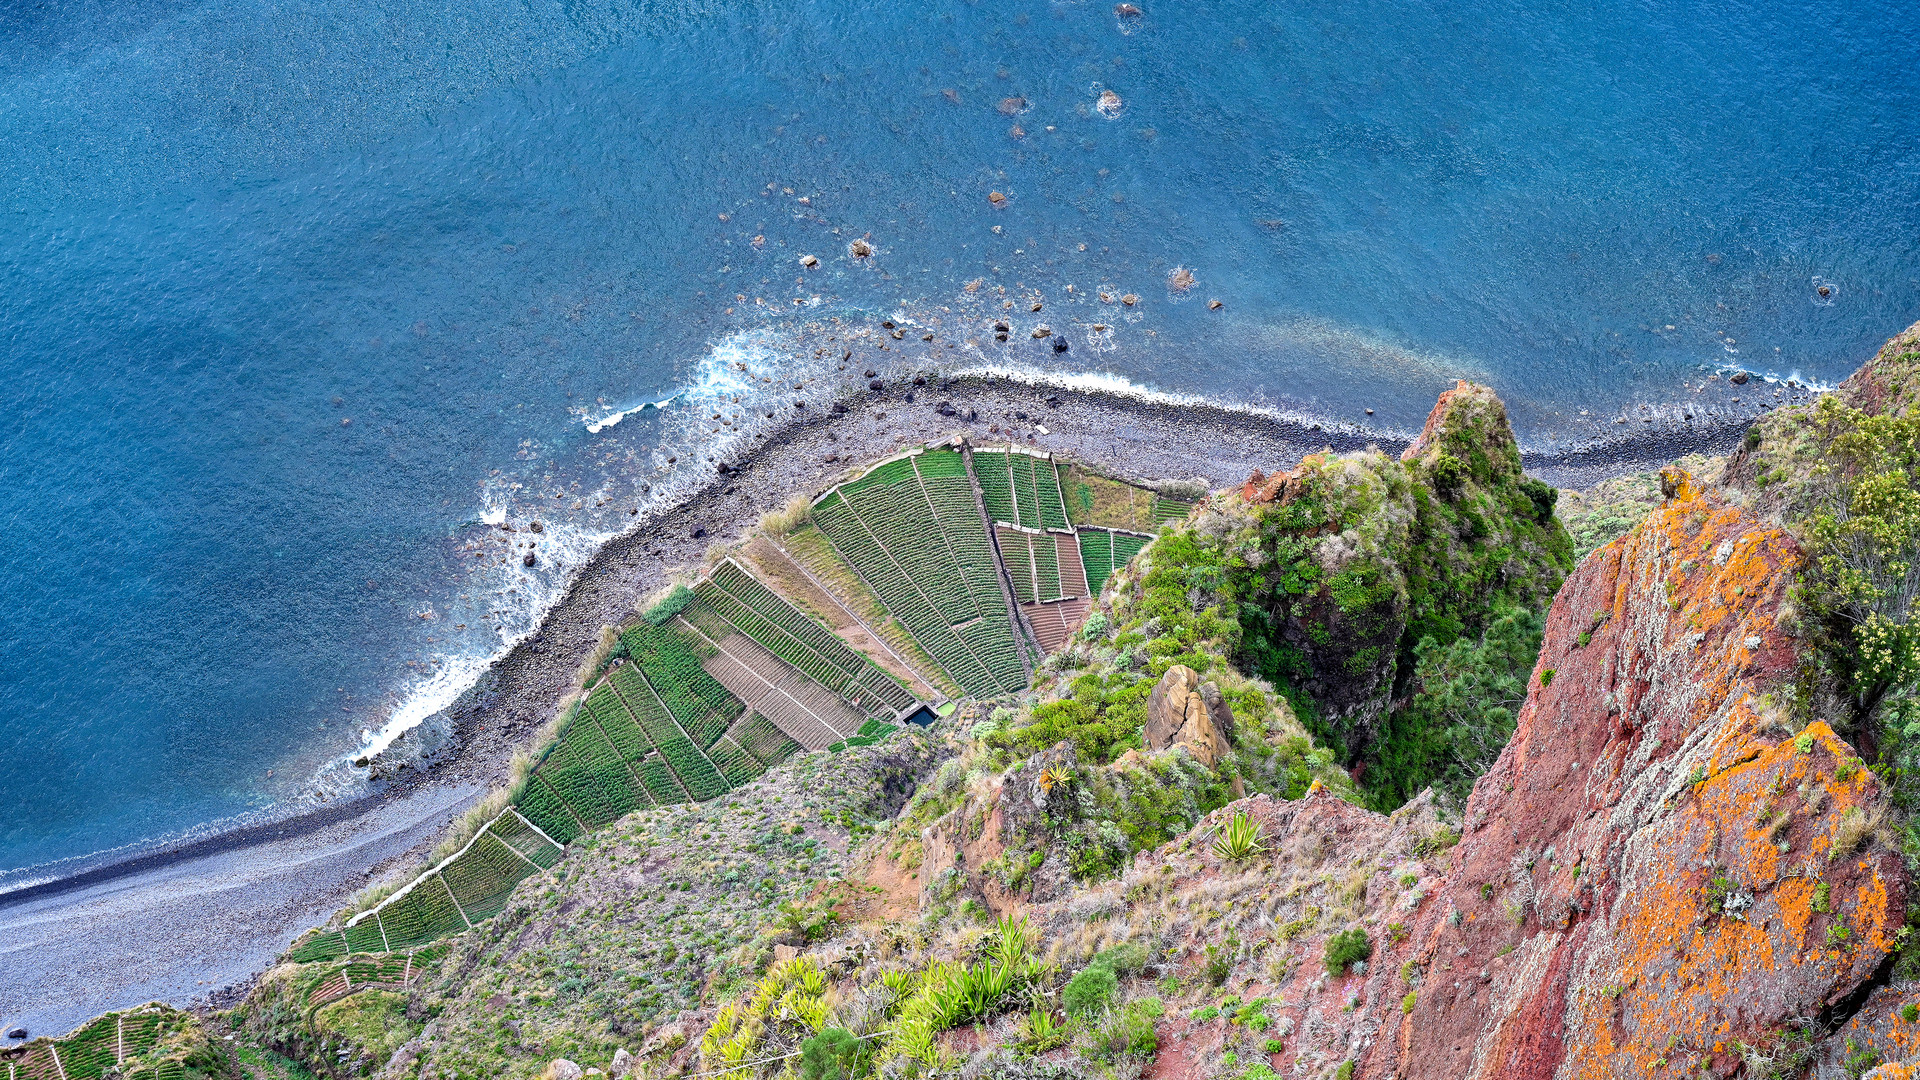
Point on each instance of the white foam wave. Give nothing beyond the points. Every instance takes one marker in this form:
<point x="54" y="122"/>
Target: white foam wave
<point x="735" y="379"/>
<point x="1793" y="375"/>
<point x="603" y="423"/>
<point x="1115" y="385"/>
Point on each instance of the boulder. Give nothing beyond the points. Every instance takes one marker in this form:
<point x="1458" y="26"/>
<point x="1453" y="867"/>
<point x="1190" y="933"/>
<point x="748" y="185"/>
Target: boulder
<point x="561" y="1069"/>
<point x="1185" y="712"/>
<point x="622" y="1064"/>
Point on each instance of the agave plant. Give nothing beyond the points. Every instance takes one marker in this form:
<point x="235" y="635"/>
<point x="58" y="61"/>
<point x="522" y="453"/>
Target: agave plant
<point x="1054" y="776"/>
<point x="901" y="981"/>
<point x="1238" y="838"/>
<point x="987" y="984"/>
<point x="1015" y="944"/>
<point x="1041" y="1032"/>
<point x="914" y="1039"/>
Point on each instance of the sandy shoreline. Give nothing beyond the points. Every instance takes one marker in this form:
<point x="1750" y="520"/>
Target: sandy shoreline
<point x="263" y="883"/>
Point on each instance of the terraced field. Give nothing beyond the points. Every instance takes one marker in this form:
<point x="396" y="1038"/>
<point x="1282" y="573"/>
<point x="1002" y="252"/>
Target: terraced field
<point x="1034" y="564"/>
<point x="729" y="679"/>
<point x="913" y="531"/>
<point x="123" y="1044"/>
<point x="1165" y="509"/>
<point x="1098" y="501"/>
<point x="1021" y="488"/>
<point x="731" y="600"/>
<point x="1049" y="579"/>
<point x="1102" y="551"/>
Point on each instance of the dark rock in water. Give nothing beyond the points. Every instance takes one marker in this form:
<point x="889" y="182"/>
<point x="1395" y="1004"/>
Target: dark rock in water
<point x="919" y="380"/>
<point x="838" y="409"/>
<point x="888" y="323"/>
<point x="1739" y="378"/>
<point x="1126" y="11"/>
<point x="536" y="527"/>
<point x="1019" y="416"/>
<point x="646" y="489"/>
<point x="909" y="398"/>
<point x="870" y="373"/>
<point x="529" y="560"/>
<point x="699" y="533"/>
<point x="17" y="1033"/>
<point x="973" y="414"/>
<point x="1053" y="401"/>
<point x="723" y="468"/>
<point x="876" y="385"/>
<point x="1002" y="336"/>
<point x="799" y="404"/>
<point x="1059" y="344"/>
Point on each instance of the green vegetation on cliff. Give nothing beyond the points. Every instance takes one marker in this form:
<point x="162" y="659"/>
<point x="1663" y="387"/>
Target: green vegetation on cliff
<point x="1395" y="601"/>
<point x="1844" y="475"/>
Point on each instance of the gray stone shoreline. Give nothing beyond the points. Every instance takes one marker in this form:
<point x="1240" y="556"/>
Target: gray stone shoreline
<point x="467" y="748"/>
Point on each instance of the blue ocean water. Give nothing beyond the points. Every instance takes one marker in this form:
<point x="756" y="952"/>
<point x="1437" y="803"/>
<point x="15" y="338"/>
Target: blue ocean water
<point x="298" y="294"/>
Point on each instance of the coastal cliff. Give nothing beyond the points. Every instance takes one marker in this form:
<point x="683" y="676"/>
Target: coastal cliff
<point x="1346" y="771"/>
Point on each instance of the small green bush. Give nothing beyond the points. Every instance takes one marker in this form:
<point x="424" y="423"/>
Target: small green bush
<point x="1090" y="991"/>
<point x="1129" y="1033"/>
<point x="1546" y="680"/>
<point x="1346" y="948"/>
<point x="834" y="1054"/>
<point x="1407" y="1003"/>
<point x="1220" y="962"/>
<point x="1910" y="1012"/>
<point x="670" y="605"/>
<point x="1123" y="959"/>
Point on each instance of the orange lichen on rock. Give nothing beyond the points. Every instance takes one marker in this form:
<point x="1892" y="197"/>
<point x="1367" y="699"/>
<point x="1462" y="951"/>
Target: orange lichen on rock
<point x="1885" y="1032"/>
<point x="1712" y="901"/>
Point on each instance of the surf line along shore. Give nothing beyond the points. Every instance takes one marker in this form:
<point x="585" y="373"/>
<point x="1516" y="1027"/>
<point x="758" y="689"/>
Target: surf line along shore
<point x="261" y="885"/>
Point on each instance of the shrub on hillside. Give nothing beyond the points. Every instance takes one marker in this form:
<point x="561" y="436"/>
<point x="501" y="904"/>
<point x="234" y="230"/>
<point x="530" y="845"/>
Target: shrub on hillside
<point x="1346" y="948"/>
<point x="1090" y="991"/>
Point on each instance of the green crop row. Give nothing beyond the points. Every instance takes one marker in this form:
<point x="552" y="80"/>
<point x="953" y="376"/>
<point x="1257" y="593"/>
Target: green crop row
<point x="959" y="518"/>
<point x="1046" y="490"/>
<point x="735" y="764"/>
<point x="870" y="732"/>
<point x="484" y="876"/>
<point x="365" y="937"/>
<point x="673" y="669"/>
<point x="1046" y="567"/>
<point x="519" y="835"/>
<point x="879" y="691"/>
<point x="835" y="652"/>
<point x="996" y="485"/>
<point x="1165" y="509"/>
<point x="908" y="533"/>
<point x="767" y="743"/>
<point x="664" y="786"/>
<point x="896" y="590"/>
<point x="737" y="616"/>
<point x="1017" y="553"/>
<point x="321" y="946"/>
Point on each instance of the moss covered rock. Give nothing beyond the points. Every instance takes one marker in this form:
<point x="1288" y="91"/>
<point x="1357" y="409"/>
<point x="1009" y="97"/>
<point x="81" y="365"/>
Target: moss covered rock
<point x="1361" y="557"/>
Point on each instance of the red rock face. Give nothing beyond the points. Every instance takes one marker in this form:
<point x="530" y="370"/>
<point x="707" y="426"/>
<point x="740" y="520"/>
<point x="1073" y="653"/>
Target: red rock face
<point x="1885" y="1032"/>
<point x="1656" y="872"/>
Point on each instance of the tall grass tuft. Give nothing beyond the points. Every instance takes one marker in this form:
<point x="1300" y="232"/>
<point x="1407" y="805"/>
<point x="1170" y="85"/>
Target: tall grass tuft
<point x="781" y="522"/>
